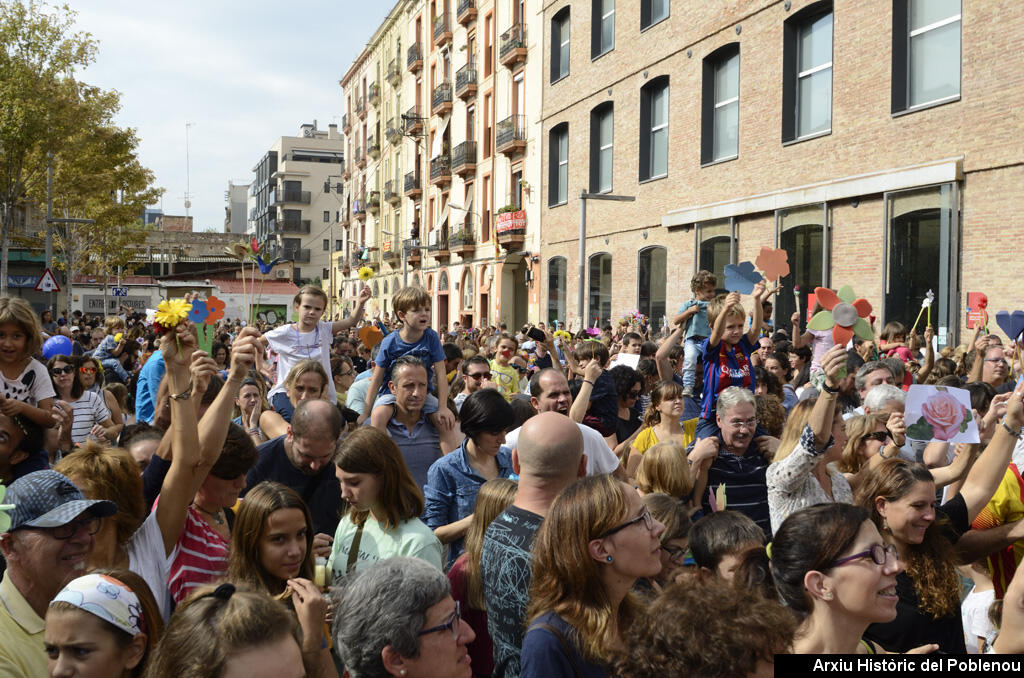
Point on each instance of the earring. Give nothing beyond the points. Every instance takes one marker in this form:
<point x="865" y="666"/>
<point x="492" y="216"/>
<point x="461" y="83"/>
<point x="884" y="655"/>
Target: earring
<point x="827" y="595"/>
<point x="609" y="559"/>
<point x="402" y="672"/>
<point x="885" y="525"/>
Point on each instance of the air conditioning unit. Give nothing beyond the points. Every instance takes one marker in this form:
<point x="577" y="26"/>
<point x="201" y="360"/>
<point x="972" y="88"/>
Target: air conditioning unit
<point x="282" y="273"/>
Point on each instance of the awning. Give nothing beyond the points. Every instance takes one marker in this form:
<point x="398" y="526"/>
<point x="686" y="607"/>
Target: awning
<point x="435" y="148"/>
<point x="444" y="217"/>
<point x="465" y="212"/>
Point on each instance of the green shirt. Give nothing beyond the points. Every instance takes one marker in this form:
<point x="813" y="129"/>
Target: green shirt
<point x="411" y="538"/>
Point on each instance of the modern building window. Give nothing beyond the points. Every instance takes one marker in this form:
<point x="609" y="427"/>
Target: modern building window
<point x="337" y="245"/>
<point x="801" y="232"/>
<point x="556" y="290"/>
<point x="602" y="32"/>
<point x="716" y="246"/>
<point x="601" y="156"/>
<point x="654" y="129"/>
<point x="651" y="281"/>
<point x="560" y="44"/>
<point x="925" y="52"/>
<point x="327" y="216"/>
<point x="921" y="254"/>
<point x="558" y="165"/>
<point x="327" y="245"/>
<point x="720" y="103"/>
<point x="652" y="11"/>
<point x="807" y="72"/>
<point x="600" y="287"/>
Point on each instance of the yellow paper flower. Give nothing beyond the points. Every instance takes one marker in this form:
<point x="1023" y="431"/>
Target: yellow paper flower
<point x="365" y="273"/>
<point x="563" y="335"/>
<point x="117" y="337"/>
<point x="170" y="312"/>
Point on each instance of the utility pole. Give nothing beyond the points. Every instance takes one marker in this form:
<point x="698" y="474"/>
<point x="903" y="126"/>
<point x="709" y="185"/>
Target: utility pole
<point x="49" y="230"/>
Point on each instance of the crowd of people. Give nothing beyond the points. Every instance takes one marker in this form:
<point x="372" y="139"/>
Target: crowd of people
<point x="690" y="497"/>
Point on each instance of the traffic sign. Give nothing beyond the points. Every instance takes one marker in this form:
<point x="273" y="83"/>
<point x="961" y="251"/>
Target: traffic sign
<point x="47" y="282"/>
<point x="120" y="291"/>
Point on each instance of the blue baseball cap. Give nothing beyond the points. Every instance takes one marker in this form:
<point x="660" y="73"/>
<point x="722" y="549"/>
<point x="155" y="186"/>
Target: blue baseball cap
<point x="49" y="499"/>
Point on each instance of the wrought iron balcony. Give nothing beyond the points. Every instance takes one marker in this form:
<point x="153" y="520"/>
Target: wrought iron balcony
<point x="290" y="226"/>
<point x="413" y="121"/>
<point x="392" y="131"/>
<point x="465" y="82"/>
<point x="414" y="57"/>
<point x="372" y="147"/>
<point x="513" y="46"/>
<point x="442" y="30"/>
<point x="510" y="137"/>
<point x="464" y="158"/>
<point x="394" y="73"/>
<point x="463" y="241"/>
<point x="441" y="169"/>
<point x="412" y="185"/>
<point x="441" y="100"/>
<point x="466" y="12"/>
<point x="373" y="94"/>
<point x="373" y="202"/>
<point x="391" y="193"/>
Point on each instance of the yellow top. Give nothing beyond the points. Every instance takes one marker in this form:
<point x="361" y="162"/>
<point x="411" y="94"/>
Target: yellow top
<point x="22" y="654"/>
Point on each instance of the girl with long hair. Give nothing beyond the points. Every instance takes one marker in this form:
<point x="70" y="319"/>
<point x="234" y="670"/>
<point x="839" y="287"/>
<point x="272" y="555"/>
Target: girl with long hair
<point x="661" y="423"/>
<point x="596" y="541"/>
<point x="900" y="497"/>
<point x="272" y="551"/>
<point x="384" y="505"/>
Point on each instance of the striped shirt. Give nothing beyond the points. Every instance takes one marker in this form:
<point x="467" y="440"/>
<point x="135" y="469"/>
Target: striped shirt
<point x="746" y="489"/>
<point x="89" y="410"/>
<point x="199" y="557"/>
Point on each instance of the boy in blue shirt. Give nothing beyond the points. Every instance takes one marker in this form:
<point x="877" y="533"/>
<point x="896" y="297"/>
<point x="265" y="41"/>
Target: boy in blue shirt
<point x="726" y="353"/>
<point x="412" y="306"/>
<point x="695" y="312"/>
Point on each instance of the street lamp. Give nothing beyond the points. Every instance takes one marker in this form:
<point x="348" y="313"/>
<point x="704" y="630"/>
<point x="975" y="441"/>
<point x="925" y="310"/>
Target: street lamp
<point x="584" y="197"/>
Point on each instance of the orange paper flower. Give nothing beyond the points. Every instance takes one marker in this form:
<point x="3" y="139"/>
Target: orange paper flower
<point x="215" y="308"/>
<point x="774" y="263"/>
<point x="844" y="314"/>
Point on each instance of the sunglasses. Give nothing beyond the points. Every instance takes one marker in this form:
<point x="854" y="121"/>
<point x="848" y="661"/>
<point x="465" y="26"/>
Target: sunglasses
<point x="880" y="436"/>
<point x="87" y="370"/>
<point x="67" y="369"/>
<point x="480" y="375"/>
<point x="633" y="394"/>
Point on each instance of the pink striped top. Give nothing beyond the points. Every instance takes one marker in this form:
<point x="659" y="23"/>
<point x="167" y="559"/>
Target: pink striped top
<point x="199" y="557"/>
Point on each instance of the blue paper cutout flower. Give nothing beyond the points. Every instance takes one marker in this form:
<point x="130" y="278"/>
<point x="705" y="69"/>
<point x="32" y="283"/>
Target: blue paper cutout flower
<point x="741" y="277"/>
<point x="199" y="311"/>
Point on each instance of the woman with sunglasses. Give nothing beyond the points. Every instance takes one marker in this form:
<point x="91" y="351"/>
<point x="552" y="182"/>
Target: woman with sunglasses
<point x="801" y="474"/>
<point x="400" y="620"/>
<point x="629" y="384"/>
<point x="91" y="417"/>
<point x="597" y="540"/>
<point x="90" y="372"/>
<point x="833" y="569"/>
<point x="900" y="497"/>
<point x="454" y="479"/>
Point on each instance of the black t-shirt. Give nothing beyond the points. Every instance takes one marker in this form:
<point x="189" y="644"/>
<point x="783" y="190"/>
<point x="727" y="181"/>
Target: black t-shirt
<point x="506" y="569"/>
<point x="913" y="627"/>
<point x="321" y="491"/>
<point x="626" y="427"/>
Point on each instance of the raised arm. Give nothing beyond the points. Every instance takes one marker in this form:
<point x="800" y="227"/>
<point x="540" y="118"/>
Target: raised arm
<point x="357" y="313"/>
<point x="988" y="470"/>
<point x="758" y="313"/>
<point x="661" y="358"/>
<point x="716" y="332"/>
<point x="582" y="402"/>
<point x="823" y="413"/>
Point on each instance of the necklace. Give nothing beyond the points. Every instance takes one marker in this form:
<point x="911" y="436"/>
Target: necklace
<point x="315" y="344"/>
<point x="217" y="517"/>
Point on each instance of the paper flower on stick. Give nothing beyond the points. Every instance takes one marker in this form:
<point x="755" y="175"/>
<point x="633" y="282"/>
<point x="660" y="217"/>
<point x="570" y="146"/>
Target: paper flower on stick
<point x="564" y="336"/>
<point x="774" y="263"/>
<point x="214" y="310"/>
<point x="5" y="518"/>
<point x="118" y="337"/>
<point x="198" y="313"/>
<point x="365" y="273"/>
<point x="266" y="267"/>
<point x="928" y="299"/>
<point x="1011" y="323"/>
<point x="844" y="314"/>
<point x="982" y="302"/>
<point x="741" y="277"/>
<point x="237" y="251"/>
<point x="170" y="312"/>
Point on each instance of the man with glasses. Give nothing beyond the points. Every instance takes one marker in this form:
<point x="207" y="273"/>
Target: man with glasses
<point x="476" y="373"/>
<point x="47" y="544"/>
<point x="739" y="460"/>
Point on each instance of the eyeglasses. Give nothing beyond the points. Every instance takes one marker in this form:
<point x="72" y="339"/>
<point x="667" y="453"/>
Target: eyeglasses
<point x="676" y="555"/>
<point x="346" y="374"/>
<point x="451" y="625"/>
<point x="994" y="360"/>
<point x="743" y="423"/>
<point x="57" y="371"/>
<point x="878" y="553"/>
<point x="480" y="375"/>
<point x="880" y="436"/>
<point x="87" y="370"/>
<point x="644" y="516"/>
<point x="634" y="394"/>
<point x="69" y="530"/>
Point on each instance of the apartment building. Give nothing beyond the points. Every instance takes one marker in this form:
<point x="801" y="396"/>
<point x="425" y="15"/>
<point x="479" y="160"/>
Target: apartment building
<point x="877" y="142"/>
<point x="294" y="205"/>
<point x="465" y="220"/>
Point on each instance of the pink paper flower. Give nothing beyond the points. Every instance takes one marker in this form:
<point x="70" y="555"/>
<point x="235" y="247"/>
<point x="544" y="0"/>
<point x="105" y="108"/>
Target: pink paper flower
<point x="945" y="414"/>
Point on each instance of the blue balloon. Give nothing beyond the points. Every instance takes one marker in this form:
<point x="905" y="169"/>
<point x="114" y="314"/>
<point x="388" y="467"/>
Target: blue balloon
<point x="57" y="345"/>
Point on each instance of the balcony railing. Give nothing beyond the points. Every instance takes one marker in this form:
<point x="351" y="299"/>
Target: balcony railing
<point x="441" y="99"/>
<point x="360" y="107"/>
<point x="343" y="216"/>
<point x="413" y="121"/>
<point x="513" y="46"/>
<point x="441" y="169"/>
<point x="438" y="245"/>
<point x="373" y="94"/>
<point x="391" y="193"/>
<point x="412" y="248"/>
<point x="442" y="30"/>
<point x="463" y="241"/>
<point x="392" y="131"/>
<point x="464" y="158"/>
<point x="510" y="135"/>
<point x="414" y="57"/>
<point x="466" y="11"/>
<point x="290" y="226"/>
<point x="372" y="147"/>
<point x="394" y="73"/>
<point x="389" y="250"/>
<point x="465" y="82"/>
<point x="296" y="254"/>
<point x="412" y="184"/>
<point x="301" y="197"/>
<point x="359" y="208"/>
<point x="373" y="202"/>
<point x="359" y="158"/>
<point x="346" y="126"/>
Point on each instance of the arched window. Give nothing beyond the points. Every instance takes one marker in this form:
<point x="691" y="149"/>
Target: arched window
<point x="556" y="290"/>
<point x="651" y="279"/>
<point x="442" y="282"/>
<point x="467" y="289"/>
<point x="600" y="289"/>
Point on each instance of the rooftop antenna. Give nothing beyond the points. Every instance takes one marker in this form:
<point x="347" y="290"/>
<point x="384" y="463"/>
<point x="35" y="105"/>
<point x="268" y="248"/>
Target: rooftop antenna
<point x="188" y="195"/>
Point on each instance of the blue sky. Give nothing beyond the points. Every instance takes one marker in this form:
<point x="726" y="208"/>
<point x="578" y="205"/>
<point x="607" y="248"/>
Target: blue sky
<point x="244" y="73"/>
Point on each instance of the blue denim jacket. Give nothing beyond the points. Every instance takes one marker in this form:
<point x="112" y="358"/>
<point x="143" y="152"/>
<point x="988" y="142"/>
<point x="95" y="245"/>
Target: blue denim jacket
<point x="450" y="492"/>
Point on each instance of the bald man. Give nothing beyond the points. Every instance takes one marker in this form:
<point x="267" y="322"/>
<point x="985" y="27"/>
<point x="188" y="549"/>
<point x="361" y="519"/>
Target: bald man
<point x="548" y="458"/>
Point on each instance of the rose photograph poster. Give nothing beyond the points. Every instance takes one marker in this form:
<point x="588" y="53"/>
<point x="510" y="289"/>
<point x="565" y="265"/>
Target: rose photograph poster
<point x="941" y="414"/>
